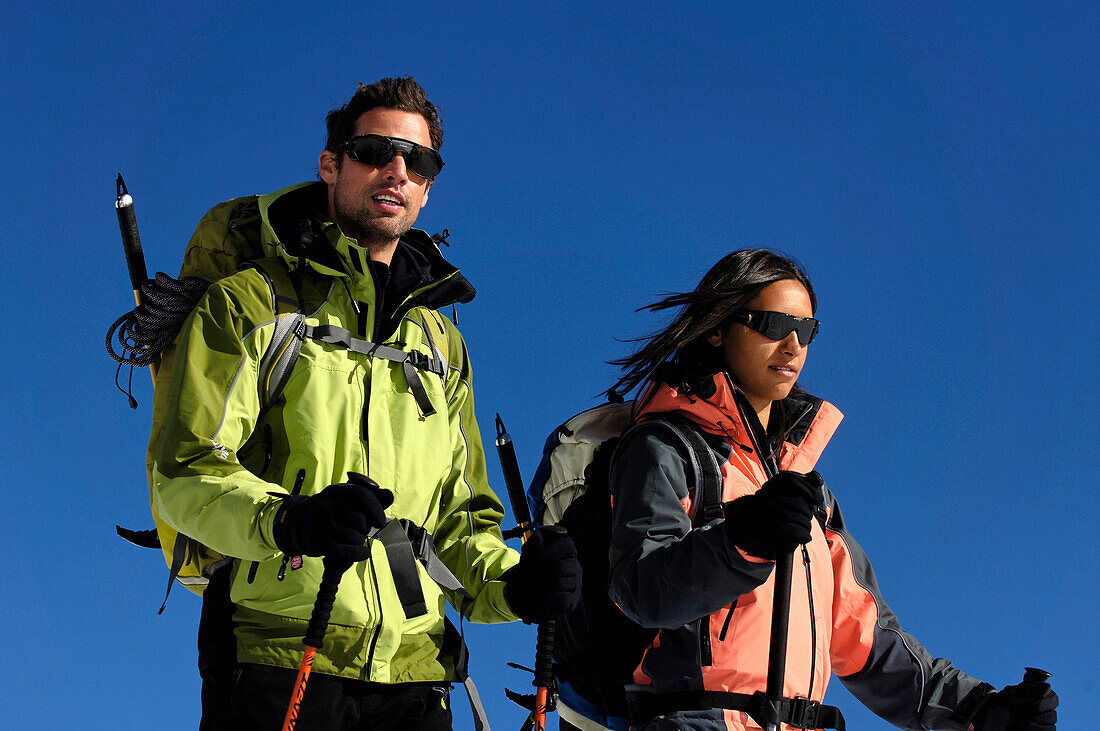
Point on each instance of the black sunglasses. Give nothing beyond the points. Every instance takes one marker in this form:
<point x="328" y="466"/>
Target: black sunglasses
<point x="379" y="150"/>
<point x="778" y="325"/>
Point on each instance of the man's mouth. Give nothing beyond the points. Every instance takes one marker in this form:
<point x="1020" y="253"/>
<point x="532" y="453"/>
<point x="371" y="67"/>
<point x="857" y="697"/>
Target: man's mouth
<point x="387" y="199"/>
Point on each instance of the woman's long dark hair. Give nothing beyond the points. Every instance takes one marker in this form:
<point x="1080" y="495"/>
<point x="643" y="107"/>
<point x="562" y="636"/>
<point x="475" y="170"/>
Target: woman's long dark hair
<point x="680" y="352"/>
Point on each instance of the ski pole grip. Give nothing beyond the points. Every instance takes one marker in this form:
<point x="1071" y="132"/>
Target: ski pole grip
<point x="326" y="597"/>
<point x="544" y="654"/>
<point x="131" y="240"/>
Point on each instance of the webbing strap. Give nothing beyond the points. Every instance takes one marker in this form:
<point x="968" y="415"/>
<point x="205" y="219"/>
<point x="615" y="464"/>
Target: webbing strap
<point x="409" y="360"/>
<point x="179" y="558"/>
<point x="406" y="579"/>
<point x="796" y="712"/>
<point x="424" y="549"/>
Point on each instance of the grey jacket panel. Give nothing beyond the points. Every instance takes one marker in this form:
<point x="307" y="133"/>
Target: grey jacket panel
<point x="655" y="555"/>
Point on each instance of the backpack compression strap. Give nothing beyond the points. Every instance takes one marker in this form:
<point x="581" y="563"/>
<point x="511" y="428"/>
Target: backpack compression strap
<point x="291" y="330"/>
<point x="410" y="360"/>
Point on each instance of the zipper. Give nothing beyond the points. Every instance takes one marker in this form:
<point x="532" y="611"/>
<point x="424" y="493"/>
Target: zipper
<point x="704" y="642"/>
<point x="726" y="624"/>
<point x="378" y="626"/>
<point x="813" y="620"/>
<point x="299" y="480"/>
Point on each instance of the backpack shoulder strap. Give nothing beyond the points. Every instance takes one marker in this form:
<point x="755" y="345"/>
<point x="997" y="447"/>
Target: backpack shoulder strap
<point x="705" y="471"/>
<point x="278" y="360"/>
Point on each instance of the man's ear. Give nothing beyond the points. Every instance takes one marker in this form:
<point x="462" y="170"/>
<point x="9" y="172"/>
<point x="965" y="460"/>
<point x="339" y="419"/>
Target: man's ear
<point x="427" y="188"/>
<point x="328" y="165"/>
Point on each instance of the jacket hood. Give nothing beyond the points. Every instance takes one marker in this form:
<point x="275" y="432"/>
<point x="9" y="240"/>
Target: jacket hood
<point x="815" y="420"/>
<point x="296" y="227"/>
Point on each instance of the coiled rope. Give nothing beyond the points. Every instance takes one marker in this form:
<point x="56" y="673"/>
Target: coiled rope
<point x="147" y="330"/>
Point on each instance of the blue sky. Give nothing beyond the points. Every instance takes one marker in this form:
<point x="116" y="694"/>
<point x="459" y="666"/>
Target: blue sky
<point x="934" y="167"/>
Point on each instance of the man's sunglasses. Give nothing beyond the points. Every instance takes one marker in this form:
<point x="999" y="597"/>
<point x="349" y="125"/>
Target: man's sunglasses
<point x="379" y="150"/>
<point x="777" y="325"/>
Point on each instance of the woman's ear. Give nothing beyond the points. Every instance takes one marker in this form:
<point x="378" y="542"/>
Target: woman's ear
<point x="714" y="337"/>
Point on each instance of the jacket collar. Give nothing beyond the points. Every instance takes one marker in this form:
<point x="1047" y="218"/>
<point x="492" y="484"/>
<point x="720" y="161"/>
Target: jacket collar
<point x="296" y="227"/>
<point x="717" y="413"/>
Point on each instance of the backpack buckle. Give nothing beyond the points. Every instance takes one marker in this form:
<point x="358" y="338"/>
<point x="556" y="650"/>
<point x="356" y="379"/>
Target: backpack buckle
<point x="802" y="712"/>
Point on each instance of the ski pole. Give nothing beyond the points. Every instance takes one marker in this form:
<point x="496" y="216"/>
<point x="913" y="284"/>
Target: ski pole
<point x="544" y="639"/>
<point x="315" y="633"/>
<point x="777" y="651"/>
<point x="131" y="245"/>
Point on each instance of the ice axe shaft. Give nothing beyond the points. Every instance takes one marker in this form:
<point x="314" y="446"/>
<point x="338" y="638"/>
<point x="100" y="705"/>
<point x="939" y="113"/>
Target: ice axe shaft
<point x="544" y="643"/>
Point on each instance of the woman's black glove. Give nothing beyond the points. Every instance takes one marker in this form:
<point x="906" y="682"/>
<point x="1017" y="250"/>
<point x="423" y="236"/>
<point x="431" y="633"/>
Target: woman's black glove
<point x="1026" y="706"/>
<point x="547" y="580"/>
<point x="776" y="518"/>
<point x="335" y="522"/>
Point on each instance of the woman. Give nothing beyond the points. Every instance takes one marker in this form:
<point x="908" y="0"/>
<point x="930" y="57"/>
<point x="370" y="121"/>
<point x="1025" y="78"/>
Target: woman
<point x="730" y="364"/>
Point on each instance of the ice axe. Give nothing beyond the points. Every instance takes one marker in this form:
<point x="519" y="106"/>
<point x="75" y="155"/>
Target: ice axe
<point x="131" y="246"/>
<point x="544" y="642"/>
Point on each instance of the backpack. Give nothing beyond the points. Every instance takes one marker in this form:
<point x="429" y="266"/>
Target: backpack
<point x="596" y="647"/>
<point x="236" y="225"/>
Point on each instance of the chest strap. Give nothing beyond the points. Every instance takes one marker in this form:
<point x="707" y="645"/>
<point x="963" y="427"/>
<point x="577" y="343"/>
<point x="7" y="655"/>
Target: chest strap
<point x="410" y="360"/>
<point x="795" y="712"/>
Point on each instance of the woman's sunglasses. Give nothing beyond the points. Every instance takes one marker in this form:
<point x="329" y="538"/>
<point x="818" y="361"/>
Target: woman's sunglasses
<point x="379" y="150"/>
<point x="778" y="325"/>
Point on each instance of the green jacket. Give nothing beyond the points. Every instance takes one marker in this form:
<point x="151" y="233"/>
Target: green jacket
<point x="220" y="467"/>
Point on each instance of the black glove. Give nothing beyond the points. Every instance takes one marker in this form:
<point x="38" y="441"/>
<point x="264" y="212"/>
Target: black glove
<point x="777" y="517"/>
<point x="335" y="522"/>
<point x="1027" y="706"/>
<point x="547" y="580"/>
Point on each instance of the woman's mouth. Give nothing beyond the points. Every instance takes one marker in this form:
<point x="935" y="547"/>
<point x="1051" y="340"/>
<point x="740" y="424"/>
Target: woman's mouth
<point x="784" y="370"/>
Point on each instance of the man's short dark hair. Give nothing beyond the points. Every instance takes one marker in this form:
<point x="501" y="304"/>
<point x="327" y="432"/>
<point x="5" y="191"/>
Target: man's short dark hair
<point x="403" y="94"/>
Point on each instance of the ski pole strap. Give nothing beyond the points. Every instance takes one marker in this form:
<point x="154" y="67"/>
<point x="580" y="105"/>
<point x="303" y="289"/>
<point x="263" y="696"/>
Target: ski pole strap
<point x="795" y="712"/>
<point x="410" y="360"/>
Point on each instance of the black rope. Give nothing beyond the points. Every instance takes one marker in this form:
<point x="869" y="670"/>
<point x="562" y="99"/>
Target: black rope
<point x="146" y="331"/>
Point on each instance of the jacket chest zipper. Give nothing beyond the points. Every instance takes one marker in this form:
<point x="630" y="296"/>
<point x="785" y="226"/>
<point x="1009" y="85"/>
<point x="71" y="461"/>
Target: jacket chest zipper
<point x="299" y="480"/>
<point x="378" y="625"/>
<point x="706" y="657"/>
<point x="726" y="624"/>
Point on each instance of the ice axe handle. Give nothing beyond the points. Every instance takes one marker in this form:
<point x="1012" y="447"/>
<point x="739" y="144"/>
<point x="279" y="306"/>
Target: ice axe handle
<point x="1035" y="675"/>
<point x="131" y="241"/>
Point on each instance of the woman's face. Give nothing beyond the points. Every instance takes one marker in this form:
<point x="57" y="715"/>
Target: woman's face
<point x="766" y="369"/>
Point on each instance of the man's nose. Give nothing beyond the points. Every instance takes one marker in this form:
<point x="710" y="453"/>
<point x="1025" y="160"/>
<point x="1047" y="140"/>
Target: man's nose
<point x="395" y="169"/>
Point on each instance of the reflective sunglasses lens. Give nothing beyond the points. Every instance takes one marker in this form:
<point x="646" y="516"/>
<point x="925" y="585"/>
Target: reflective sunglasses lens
<point x="778" y="325"/>
<point x="424" y="161"/>
<point x="372" y="150"/>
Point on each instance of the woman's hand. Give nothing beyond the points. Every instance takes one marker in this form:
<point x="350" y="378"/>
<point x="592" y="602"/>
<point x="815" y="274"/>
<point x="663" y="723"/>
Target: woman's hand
<point x="777" y="517"/>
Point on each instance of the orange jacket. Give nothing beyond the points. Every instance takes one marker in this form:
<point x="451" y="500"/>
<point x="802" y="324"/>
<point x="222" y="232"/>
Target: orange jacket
<point x="713" y="602"/>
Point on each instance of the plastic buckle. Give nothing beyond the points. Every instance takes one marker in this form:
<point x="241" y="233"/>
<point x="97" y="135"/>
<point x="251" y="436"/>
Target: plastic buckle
<point x="802" y="713"/>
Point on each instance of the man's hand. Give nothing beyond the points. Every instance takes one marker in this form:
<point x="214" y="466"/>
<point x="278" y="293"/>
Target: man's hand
<point x="547" y="580"/>
<point x="1026" y="706"/>
<point x="777" y="517"/>
<point x="335" y="522"/>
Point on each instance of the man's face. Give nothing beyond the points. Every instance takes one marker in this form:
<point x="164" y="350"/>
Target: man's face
<point x="375" y="204"/>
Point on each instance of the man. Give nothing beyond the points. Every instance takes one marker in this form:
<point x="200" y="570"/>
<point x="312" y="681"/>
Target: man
<point x="375" y="423"/>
